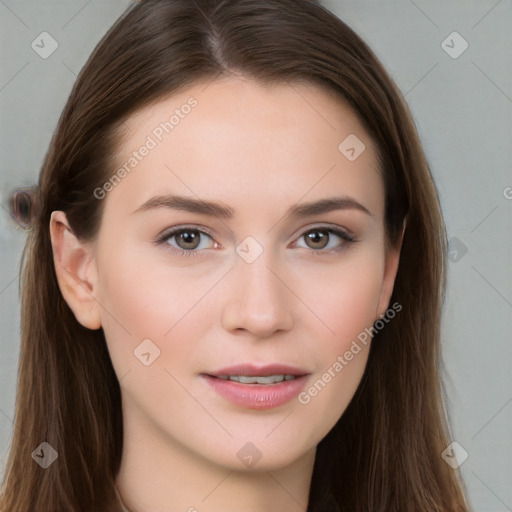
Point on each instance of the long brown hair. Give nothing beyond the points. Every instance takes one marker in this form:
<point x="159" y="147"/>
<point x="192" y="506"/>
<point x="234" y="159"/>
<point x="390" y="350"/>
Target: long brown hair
<point x="384" y="454"/>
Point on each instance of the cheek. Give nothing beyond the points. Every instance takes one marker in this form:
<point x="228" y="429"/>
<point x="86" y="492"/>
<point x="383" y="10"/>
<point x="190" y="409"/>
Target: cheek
<point x="349" y="305"/>
<point x="143" y="301"/>
<point x="345" y="301"/>
<point x="344" y="296"/>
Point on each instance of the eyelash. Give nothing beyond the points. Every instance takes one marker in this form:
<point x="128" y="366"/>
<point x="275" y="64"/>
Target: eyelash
<point x="162" y="240"/>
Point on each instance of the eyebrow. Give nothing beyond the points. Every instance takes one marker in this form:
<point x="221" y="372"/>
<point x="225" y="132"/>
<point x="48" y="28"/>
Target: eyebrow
<point x="189" y="204"/>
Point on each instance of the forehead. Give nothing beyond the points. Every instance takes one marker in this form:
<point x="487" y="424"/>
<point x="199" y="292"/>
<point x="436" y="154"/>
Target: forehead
<point x="241" y="142"/>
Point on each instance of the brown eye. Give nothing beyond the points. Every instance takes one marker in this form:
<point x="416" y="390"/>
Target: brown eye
<point x="326" y="240"/>
<point x="188" y="239"/>
<point x="317" y="239"/>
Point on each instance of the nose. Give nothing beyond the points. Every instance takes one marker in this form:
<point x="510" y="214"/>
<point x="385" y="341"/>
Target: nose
<point x="257" y="298"/>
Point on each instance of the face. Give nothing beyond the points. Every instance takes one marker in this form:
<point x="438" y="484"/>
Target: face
<point x="261" y="280"/>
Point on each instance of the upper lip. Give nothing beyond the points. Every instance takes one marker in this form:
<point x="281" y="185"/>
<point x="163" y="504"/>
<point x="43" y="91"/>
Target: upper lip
<point x="254" y="370"/>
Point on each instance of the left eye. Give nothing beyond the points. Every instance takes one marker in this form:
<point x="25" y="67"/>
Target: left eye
<point x="320" y="238"/>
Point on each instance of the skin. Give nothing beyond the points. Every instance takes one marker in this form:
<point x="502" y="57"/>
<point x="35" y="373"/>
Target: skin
<point x="260" y="150"/>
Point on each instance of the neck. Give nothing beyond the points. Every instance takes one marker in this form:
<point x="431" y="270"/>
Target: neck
<point x="121" y="501"/>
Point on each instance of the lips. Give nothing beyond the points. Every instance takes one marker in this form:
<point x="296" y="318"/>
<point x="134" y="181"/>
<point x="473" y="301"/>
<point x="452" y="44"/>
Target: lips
<point x="254" y="370"/>
<point x="257" y="395"/>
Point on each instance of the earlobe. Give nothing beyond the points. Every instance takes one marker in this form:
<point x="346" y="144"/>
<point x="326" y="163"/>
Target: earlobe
<point x="76" y="272"/>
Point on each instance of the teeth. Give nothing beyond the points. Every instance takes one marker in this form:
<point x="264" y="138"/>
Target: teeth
<point x="267" y="379"/>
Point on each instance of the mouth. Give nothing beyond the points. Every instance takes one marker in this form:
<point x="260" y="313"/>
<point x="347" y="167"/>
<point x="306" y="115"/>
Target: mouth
<point x="259" y="379"/>
<point x="287" y="371"/>
<point x="257" y="387"/>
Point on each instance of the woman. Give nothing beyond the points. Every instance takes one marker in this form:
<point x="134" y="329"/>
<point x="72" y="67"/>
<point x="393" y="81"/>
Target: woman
<point x="233" y="280"/>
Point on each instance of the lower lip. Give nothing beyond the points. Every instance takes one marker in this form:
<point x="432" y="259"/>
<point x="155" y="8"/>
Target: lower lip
<point x="257" y="396"/>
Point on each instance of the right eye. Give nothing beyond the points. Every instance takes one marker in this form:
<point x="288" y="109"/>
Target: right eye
<point x="187" y="240"/>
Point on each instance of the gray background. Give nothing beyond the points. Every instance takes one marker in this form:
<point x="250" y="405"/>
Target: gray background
<point x="462" y="107"/>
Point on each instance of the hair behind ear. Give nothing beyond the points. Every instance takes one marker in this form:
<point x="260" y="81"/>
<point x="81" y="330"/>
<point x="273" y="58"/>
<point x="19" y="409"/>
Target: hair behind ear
<point x="25" y="206"/>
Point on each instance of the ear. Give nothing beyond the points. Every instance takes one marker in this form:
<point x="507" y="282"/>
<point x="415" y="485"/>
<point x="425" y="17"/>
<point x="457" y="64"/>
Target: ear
<point x="390" y="270"/>
<point x="76" y="271"/>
